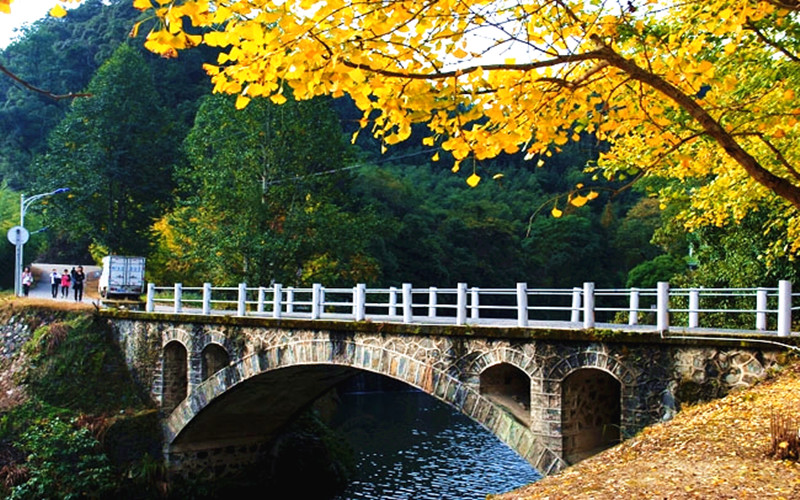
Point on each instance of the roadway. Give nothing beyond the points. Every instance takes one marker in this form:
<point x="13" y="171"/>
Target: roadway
<point x="41" y="284"/>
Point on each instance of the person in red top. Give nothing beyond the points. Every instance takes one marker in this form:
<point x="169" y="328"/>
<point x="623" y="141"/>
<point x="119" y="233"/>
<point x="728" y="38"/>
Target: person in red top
<point x="65" y="279"/>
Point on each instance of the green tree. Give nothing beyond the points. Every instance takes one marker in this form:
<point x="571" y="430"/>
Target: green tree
<point x="266" y="198"/>
<point x="59" y="56"/>
<point x="115" y="152"/>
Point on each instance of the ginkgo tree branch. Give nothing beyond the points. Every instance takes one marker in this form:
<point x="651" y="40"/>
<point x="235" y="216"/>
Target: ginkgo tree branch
<point x="46" y="93"/>
<point x="786" y="4"/>
<point x="779" y="155"/>
<point x="440" y="75"/>
<point x="777" y="46"/>
<point x="782" y="187"/>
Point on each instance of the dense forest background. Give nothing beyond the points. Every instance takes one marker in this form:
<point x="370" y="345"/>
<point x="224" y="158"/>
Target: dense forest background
<point x="159" y="166"/>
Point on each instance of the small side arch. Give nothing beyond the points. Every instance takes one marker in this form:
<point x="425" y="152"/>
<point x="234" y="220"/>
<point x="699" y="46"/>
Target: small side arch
<point x="591" y="410"/>
<point x="509" y="387"/>
<point x="214" y="358"/>
<point x="174" y="375"/>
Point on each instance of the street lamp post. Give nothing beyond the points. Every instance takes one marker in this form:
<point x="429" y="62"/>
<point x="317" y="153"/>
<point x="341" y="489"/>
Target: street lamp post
<point x="19" y="235"/>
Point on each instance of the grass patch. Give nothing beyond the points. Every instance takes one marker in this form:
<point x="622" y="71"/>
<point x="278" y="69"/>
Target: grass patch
<point x="75" y="364"/>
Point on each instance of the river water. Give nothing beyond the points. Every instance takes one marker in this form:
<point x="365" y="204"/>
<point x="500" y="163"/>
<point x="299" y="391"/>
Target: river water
<point x="411" y="446"/>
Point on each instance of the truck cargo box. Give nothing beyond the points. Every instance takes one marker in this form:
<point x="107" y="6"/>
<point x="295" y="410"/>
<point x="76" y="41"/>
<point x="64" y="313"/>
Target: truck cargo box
<point x="122" y="277"/>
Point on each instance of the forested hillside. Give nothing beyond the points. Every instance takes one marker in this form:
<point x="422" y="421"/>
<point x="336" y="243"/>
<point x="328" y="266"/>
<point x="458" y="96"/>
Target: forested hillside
<point x="158" y="166"/>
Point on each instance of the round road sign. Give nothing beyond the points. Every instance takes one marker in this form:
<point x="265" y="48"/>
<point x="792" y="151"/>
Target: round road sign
<point x="18" y="235"/>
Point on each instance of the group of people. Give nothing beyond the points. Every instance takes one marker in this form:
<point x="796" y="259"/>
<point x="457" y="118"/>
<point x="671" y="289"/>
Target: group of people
<point x="61" y="282"/>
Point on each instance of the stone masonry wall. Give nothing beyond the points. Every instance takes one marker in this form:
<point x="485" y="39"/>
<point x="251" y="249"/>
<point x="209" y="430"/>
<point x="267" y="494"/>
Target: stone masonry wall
<point x="654" y="377"/>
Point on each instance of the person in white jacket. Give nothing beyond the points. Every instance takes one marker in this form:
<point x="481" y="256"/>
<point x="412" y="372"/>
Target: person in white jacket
<point x="55" y="282"/>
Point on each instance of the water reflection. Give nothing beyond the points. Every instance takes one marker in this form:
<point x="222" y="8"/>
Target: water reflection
<point x="412" y="446"/>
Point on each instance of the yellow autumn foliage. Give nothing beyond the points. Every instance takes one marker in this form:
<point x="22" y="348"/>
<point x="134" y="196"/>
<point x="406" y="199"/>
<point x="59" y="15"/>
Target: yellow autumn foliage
<point x="697" y="90"/>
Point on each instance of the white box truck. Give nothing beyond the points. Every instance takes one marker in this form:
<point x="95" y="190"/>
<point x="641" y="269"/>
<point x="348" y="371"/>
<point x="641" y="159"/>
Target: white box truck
<point x="122" y="277"/>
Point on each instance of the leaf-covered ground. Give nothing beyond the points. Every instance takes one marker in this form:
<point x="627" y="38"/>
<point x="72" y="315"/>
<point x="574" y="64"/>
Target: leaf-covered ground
<point x="715" y="450"/>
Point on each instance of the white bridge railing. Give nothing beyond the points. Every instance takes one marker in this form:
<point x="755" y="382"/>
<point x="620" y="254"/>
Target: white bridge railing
<point x="746" y="309"/>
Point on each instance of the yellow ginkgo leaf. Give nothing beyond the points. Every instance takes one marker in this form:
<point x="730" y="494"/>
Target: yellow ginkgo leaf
<point x="592" y="195"/>
<point x="456" y="167"/>
<point x="473" y="180"/>
<point x="578" y="201"/>
<point x="58" y="11"/>
<point x="242" y="101"/>
<point x="277" y="98"/>
<point x="555" y="212"/>
<point x="142" y="4"/>
<point x="498" y="176"/>
<point x="435" y="157"/>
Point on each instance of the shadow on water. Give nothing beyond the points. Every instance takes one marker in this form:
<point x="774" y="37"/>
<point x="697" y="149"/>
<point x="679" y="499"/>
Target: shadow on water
<point x="411" y="446"/>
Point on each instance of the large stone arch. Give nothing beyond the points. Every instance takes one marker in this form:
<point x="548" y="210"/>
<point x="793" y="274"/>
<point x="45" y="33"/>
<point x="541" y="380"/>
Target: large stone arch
<point x="338" y="356"/>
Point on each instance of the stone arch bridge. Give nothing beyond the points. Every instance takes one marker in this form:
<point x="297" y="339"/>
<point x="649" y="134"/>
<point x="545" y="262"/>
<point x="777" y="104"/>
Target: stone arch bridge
<point x="225" y="385"/>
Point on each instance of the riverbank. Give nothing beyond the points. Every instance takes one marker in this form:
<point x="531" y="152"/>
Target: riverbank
<point x="715" y="450"/>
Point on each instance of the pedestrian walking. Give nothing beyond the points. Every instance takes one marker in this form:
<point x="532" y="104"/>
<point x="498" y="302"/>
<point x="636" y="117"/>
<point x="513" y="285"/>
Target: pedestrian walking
<point x="77" y="283"/>
<point x="55" y="281"/>
<point x="27" y="281"/>
<point x="65" y="280"/>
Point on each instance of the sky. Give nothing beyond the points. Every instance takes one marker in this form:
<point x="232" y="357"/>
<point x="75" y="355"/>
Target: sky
<point x="22" y="12"/>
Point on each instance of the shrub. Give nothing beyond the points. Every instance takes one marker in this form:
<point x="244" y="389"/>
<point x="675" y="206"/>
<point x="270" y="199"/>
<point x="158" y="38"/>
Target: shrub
<point x="63" y="461"/>
<point x="785" y="439"/>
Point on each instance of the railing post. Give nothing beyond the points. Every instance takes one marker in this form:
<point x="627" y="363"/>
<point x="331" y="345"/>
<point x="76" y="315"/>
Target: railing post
<point x="475" y="303"/>
<point x="241" y="306"/>
<point x="694" y="308"/>
<point x="588" y="305"/>
<point x="316" y="300"/>
<point x="432" y="302"/>
<point x="784" y="308"/>
<point x="575" y="314"/>
<point x="262" y="298"/>
<point x="206" y="298"/>
<point x="290" y="300"/>
<point x="461" y="304"/>
<point x="662" y="307"/>
<point x="522" y="304"/>
<point x="277" y="298"/>
<point x="633" y="307"/>
<point x="150" y="305"/>
<point x="761" y="309"/>
<point x="392" y="301"/>
<point x="178" y="298"/>
<point x="408" y="315"/>
<point x="360" y="301"/>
